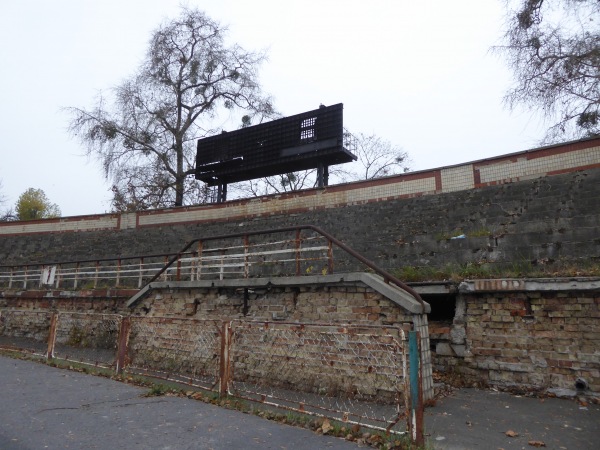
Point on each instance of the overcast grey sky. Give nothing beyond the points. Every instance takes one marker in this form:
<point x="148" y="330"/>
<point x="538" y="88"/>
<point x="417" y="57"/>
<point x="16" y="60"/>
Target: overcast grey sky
<point x="417" y="73"/>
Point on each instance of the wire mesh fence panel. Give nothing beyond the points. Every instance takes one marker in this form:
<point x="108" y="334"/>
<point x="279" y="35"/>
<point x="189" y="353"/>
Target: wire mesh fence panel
<point x="352" y="374"/>
<point x="184" y="350"/>
<point x="25" y="330"/>
<point x="87" y="338"/>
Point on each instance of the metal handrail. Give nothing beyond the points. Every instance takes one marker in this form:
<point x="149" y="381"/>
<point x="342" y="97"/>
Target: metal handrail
<point x="387" y="277"/>
<point x="82" y="261"/>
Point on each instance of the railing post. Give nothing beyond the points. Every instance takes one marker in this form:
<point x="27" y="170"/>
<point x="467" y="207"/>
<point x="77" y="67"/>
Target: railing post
<point x="225" y="360"/>
<point x="57" y="275"/>
<point x="246" y="266"/>
<point x="416" y="388"/>
<point x="221" y="268"/>
<point x="75" y="281"/>
<point x="298" y="243"/>
<point x="329" y="256"/>
<point x="141" y="273"/>
<point x="52" y="336"/>
<point x="118" y="280"/>
<point x="96" y="274"/>
<point x="123" y="343"/>
<point x="25" y="278"/>
<point x="10" y="280"/>
<point x="199" y="268"/>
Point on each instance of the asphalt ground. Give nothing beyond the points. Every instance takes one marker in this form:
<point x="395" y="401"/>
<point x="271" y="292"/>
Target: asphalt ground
<point x="42" y="407"/>
<point x="486" y="419"/>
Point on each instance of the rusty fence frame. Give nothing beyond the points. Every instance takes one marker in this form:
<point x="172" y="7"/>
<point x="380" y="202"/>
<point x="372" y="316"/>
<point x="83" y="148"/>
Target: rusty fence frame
<point x="219" y="347"/>
<point x="196" y="342"/>
<point x="70" y="343"/>
<point x="341" y="353"/>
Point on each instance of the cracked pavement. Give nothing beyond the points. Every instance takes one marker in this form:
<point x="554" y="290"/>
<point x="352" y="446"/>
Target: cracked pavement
<point x="43" y="407"/>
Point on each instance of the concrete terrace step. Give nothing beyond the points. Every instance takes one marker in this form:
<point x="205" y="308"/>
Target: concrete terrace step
<point x="393" y="293"/>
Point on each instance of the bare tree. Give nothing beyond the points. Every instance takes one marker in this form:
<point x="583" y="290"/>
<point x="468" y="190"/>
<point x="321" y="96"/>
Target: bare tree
<point x="145" y="137"/>
<point x="553" y="48"/>
<point x="5" y="215"/>
<point x="2" y="196"/>
<point x="276" y="184"/>
<point x="376" y="157"/>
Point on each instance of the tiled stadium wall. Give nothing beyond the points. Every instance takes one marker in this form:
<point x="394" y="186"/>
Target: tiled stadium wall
<point x="575" y="156"/>
<point x="533" y="206"/>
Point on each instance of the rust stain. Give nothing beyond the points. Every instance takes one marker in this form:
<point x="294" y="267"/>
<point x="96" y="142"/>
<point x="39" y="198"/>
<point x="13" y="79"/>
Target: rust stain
<point x="499" y="285"/>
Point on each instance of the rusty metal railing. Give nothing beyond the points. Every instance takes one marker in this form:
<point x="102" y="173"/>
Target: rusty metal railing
<point x="309" y="251"/>
<point x="331" y="243"/>
<point x="131" y="271"/>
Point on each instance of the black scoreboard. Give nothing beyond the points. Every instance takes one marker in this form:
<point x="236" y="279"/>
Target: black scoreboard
<point x="313" y="139"/>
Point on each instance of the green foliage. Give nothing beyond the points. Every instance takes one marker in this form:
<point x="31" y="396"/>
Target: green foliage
<point x="513" y="269"/>
<point x="157" y="390"/>
<point x="33" y="204"/>
<point x="480" y="232"/>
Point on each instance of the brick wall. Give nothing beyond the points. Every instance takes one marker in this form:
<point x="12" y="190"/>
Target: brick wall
<point x="343" y="304"/>
<point x="534" y="339"/>
<point x="532" y="334"/>
<point x="86" y="301"/>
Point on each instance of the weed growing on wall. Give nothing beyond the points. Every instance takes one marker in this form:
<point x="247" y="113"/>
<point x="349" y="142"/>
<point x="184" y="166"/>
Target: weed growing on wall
<point x="513" y="269"/>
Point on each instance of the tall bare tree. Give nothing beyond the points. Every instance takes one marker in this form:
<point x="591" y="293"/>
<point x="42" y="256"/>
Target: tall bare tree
<point x="5" y="215"/>
<point x="375" y="158"/>
<point x="553" y="48"/>
<point x="145" y="135"/>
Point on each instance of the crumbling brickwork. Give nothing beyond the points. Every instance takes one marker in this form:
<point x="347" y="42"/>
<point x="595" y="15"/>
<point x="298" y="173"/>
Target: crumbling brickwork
<point x="535" y="339"/>
<point x="349" y="304"/>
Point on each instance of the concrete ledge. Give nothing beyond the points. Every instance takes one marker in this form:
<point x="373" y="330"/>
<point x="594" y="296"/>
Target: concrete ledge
<point x="527" y="285"/>
<point x="64" y="294"/>
<point x="396" y="295"/>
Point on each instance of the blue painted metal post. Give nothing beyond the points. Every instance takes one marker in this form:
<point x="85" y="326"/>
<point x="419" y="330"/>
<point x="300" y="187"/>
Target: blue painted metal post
<point x="416" y="388"/>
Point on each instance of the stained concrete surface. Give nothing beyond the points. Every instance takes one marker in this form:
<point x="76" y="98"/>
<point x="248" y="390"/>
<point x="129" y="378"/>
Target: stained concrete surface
<point x="47" y="408"/>
<point x="42" y="407"/>
<point x="480" y="419"/>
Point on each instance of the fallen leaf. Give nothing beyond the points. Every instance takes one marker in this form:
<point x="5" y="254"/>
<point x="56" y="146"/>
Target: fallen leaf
<point x="511" y="433"/>
<point x="326" y="427"/>
<point x="537" y="443"/>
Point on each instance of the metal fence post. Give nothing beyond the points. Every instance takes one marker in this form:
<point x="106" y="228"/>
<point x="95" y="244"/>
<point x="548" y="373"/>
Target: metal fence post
<point x="329" y="256"/>
<point x="416" y="388"/>
<point x="298" y="244"/>
<point x="123" y="343"/>
<point x="225" y="360"/>
<point x="52" y="336"/>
